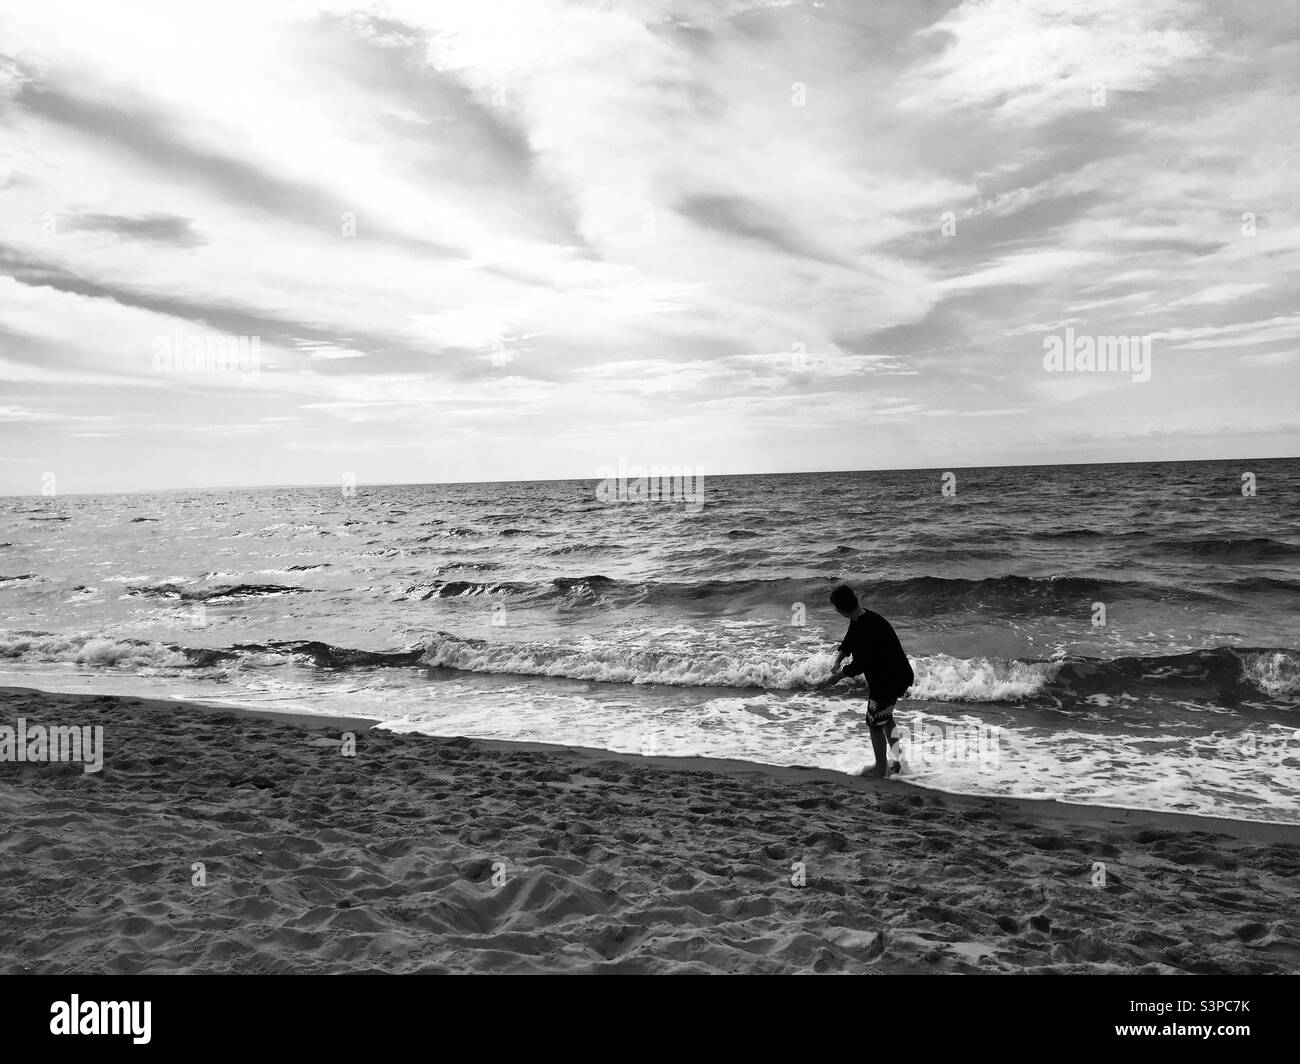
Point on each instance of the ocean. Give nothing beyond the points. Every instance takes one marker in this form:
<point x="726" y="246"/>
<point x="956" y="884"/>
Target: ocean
<point x="1124" y="635"/>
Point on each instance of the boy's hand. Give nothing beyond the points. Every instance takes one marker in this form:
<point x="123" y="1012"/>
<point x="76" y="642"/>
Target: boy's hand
<point x="834" y="677"/>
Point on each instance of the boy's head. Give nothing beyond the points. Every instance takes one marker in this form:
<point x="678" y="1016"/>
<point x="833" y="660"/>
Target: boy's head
<point x="844" y="600"/>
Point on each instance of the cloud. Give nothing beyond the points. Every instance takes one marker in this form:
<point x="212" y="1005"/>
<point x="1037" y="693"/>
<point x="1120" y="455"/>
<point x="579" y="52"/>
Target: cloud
<point x="154" y="228"/>
<point x="136" y="129"/>
<point x="1034" y="62"/>
<point x="736" y="217"/>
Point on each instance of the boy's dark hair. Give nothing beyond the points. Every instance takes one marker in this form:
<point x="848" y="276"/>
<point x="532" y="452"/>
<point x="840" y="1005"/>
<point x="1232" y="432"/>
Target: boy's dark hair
<point x="843" y="598"/>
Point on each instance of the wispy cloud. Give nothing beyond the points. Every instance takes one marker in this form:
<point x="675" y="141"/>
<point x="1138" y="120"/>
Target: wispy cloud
<point x="155" y="228"/>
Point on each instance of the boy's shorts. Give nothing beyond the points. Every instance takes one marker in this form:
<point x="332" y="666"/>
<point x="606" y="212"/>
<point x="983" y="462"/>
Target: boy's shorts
<point x="881" y="714"/>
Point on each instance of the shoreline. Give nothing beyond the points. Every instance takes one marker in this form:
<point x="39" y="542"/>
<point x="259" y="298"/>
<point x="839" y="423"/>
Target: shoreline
<point x="1049" y="808"/>
<point x="389" y="861"/>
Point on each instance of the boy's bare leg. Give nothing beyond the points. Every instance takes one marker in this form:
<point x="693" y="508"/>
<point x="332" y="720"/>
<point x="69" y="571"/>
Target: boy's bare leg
<point x="879" y="747"/>
<point x="895" y="754"/>
<point x="883" y="737"/>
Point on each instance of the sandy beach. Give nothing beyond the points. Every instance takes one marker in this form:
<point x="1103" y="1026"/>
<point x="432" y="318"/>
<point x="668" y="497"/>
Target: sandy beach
<point x="452" y="855"/>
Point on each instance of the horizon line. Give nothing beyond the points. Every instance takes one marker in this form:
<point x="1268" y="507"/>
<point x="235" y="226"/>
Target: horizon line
<point x="563" y="480"/>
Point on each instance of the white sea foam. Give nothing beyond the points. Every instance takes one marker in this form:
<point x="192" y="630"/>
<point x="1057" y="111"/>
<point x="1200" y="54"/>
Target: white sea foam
<point x="938" y="677"/>
<point x="617" y="663"/>
<point x="87" y="649"/>
<point x="1275" y="672"/>
<point x="942" y="678"/>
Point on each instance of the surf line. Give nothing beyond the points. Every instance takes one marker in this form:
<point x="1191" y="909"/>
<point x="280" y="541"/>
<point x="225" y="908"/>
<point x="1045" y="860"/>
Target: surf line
<point x="637" y="483"/>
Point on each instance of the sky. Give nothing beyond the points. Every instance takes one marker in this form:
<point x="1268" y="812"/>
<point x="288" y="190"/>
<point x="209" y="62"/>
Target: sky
<point x="288" y="242"/>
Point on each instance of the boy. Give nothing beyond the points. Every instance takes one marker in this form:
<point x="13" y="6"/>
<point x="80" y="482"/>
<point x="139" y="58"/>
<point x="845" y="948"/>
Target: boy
<point x="878" y="657"/>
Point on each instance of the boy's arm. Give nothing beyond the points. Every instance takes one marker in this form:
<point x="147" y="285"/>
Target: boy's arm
<point x="863" y="654"/>
<point x="837" y="674"/>
<point x="839" y="671"/>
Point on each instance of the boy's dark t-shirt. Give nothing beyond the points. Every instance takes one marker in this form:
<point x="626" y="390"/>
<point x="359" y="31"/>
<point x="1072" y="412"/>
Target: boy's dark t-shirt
<point x="878" y="656"/>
